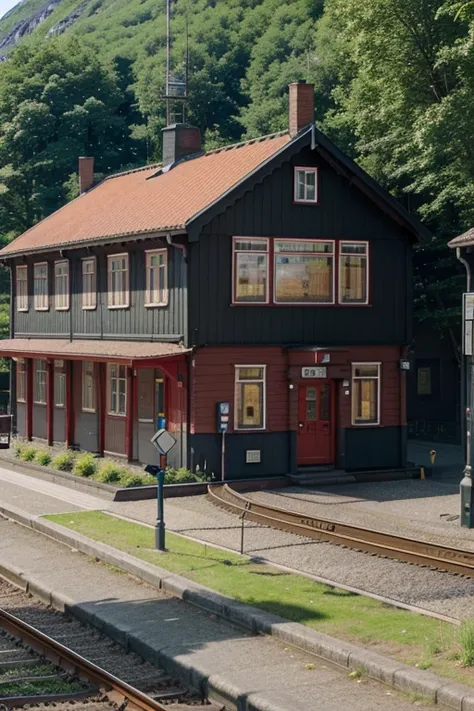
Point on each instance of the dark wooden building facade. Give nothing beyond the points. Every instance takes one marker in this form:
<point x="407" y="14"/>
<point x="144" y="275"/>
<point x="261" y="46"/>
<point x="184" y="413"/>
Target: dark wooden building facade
<point x="273" y="276"/>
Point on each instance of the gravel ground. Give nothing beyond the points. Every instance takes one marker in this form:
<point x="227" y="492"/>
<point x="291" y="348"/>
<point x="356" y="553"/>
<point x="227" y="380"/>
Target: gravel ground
<point x="195" y="516"/>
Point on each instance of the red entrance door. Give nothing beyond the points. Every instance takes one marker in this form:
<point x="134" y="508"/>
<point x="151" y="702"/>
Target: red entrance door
<point x="315" y="433"/>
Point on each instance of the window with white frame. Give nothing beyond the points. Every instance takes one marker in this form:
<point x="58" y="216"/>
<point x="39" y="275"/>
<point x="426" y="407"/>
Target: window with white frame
<point x="88" y="387"/>
<point x="117" y="389"/>
<point x="59" y="384"/>
<point x="353" y="273"/>
<point x="89" y="283"/>
<point x="61" y="285"/>
<point x="40" y="286"/>
<point x="118" y="281"/>
<point x="39" y="382"/>
<point x="22" y="288"/>
<point x="303" y="272"/>
<point x="306" y="185"/>
<point x="250" y="397"/>
<point x="251" y="266"/>
<point x="156" y="278"/>
<point x="21" y="380"/>
<point x="366" y="393"/>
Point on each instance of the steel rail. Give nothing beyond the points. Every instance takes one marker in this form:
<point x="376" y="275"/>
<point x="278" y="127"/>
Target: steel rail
<point x="387" y="545"/>
<point x="59" y="655"/>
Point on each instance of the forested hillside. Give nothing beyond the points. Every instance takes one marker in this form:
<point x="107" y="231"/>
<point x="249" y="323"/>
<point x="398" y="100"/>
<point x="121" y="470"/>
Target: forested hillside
<point x="394" y="88"/>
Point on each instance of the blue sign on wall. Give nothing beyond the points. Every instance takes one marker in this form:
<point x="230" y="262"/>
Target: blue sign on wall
<point x="223" y="416"/>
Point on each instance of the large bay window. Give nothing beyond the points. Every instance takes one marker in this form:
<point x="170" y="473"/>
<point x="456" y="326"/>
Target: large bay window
<point x="22" y="287"/>
<point x="118" y="281"/>
<point x="304" y="272"/>
<point x="366" y="393"/>
<point x="117" y="389"/>
<point x="39" y="382"/>
<point x="61" y="285"/>
<point x="250" y="397"/>
<point x="89" y="283"/>
<point x="250" y="270"/>
<point x="21" y="380"/>
<point x="40" y="286"/>
<point x="156" y="278"/>
<point x="353" y="273"/>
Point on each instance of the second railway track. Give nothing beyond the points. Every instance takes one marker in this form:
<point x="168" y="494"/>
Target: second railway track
<point x="432" y="555"/>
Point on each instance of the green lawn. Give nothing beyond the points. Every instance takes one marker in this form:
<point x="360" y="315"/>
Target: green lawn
<point x="406" y="636"/>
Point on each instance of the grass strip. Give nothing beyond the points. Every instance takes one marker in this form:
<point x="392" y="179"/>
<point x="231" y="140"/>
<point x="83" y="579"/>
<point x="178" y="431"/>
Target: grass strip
<point x="406" y="636"/>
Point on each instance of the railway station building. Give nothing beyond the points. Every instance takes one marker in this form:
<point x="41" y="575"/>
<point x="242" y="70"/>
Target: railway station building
<point x="264" y="289"/>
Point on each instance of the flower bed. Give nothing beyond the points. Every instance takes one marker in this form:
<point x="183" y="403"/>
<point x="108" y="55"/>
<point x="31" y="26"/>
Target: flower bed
<point x="103" y="470"/>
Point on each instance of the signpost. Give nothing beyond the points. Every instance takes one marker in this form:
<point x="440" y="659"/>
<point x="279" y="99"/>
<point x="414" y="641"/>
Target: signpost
<point x="163" y="441"/>
<point x="223" y="415"/>
<point x="466" y="488"/>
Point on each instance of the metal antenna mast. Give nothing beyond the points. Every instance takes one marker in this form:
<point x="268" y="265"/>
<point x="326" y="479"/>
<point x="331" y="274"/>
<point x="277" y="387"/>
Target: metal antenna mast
<point x="176" y="93"/>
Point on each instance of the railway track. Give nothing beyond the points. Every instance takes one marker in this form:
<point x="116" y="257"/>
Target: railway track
<point x="92" y="672"/>
<point x="437" y="556"/>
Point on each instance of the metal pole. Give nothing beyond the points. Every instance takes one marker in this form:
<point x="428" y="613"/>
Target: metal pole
<point x="160" y="523"/>
<point x="242" y="533"/>
<point x="223" y="456"/>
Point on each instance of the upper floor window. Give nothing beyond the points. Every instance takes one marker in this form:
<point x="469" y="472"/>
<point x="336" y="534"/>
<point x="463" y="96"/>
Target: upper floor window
<point x="304" y="272"/>
<point x="88" y="387"/>
<point x="89" y="283"/>
<point x="40" y="289"/>
<point x="61" y="285"/>
<point x="251" y="270"/>
<point x="22" y="287"/>
<point x="21" y="380"/>
<point x="250" y="397"/>
<point x="39" y="382"/>
<point x="353" y="273"/>
<point x="59" y="384"/>
<point x="118" y="281"/>
<point x="117" y="389"/>
<point x="306" y="185"/>
<point x="366" y="393"/>
<point x="156" y="278"/>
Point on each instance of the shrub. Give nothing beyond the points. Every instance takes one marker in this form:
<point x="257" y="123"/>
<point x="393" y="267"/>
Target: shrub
<point x="183" y="476"/>
<point x="466" y="642"/>
<point x="64" y="462"/>
<point x="43" y="457"/>
<point x="131" y="480"/>
<point x="110" y="473"/>
<point x="28" y="454"/>
<point x="18" y="448"/>
<point x="85" y="465"/>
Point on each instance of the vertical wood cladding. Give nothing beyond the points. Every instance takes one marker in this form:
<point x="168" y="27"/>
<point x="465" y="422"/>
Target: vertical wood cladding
<point x="343" y="212"/>
<point x="136" y="321"/>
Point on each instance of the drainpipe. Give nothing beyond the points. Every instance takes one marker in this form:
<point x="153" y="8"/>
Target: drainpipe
<point x="176" y="245"/>
<point x="466" y="266"/>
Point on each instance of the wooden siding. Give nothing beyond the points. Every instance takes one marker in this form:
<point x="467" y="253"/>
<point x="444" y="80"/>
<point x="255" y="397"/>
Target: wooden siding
<point x="115" y="434"/>
<point x="136" y="321"/>
<point x="86" y="430"/>
<point x="268" y="210"/>
<point x="39" y="421"/>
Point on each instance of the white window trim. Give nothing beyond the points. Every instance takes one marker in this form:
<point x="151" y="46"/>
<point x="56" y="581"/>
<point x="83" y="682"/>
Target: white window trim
<point x="339" y="261"/>
<point x="22" y="267"/>
<point x="148" y="254"/>
<point x="379" y="391"/>
<point x="127" y="288"/>
<point x="59" y="373"/>
<point x="307" y="169"/>
<point x="24" y="374"/>
<point x="264" y="380"/>
<point x="61" y="262"/>
<point x="94" y="293"/>
<point x="235" y="301"/>
<point x="41" y="308"/>
<point x="321" y="254"/>
<point x="109" y="412"/>
<point x="94" y="383"/>
<point x="35" y="370"/>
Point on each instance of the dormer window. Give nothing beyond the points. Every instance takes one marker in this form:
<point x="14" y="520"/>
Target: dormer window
<point x="306" y="185"/>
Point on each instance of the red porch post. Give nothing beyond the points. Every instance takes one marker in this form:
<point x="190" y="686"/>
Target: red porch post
<point x="29" y="399"/>
<point x="130" y="414"/>
<point x="49" y="401"/>
<point x="69" y="409"/>
<point x="101" y="384"/>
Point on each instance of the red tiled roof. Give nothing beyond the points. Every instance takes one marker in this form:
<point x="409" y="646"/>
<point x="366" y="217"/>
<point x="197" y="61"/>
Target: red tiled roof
<point x="464" y="240"/>
<point x="137" y="203"/>
<point x="88" y="350"/>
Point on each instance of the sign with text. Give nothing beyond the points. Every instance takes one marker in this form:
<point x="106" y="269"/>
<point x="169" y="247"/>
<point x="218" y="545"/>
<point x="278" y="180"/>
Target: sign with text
<point x="468" y="319"/>
<point x="314" y="372"/>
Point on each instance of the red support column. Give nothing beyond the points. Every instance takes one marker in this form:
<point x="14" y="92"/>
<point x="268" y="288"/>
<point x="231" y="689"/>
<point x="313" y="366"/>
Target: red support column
<point x="69" y="409"/>
<point x="49" y="401"/>
<point x="130" y="414"/>
<point x="29" y="399"/>
<point x="101" y="389"/>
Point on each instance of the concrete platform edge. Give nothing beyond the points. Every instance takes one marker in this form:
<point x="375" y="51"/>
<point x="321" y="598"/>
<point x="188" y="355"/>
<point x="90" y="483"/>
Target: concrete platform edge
<point x="347" y="655"/>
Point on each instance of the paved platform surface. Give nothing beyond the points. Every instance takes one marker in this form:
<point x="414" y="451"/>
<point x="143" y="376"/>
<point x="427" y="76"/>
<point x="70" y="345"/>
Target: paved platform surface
<point x="259" y="669"/>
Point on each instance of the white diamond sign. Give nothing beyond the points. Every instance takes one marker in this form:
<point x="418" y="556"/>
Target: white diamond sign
<point x="163" y="441"/>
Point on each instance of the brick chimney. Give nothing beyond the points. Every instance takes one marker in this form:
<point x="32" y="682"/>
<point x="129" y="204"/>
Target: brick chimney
<point x="179" y="141"/>
<point x="86" y="173"/>
<point x="301" y="112"/>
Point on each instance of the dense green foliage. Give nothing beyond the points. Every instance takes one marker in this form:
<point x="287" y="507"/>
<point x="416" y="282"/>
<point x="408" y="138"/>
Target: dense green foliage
<point x="394" y="88"/>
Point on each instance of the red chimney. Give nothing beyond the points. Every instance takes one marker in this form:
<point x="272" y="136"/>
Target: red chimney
<point x="301" y="106"/>
<point x="86" y="173"/>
